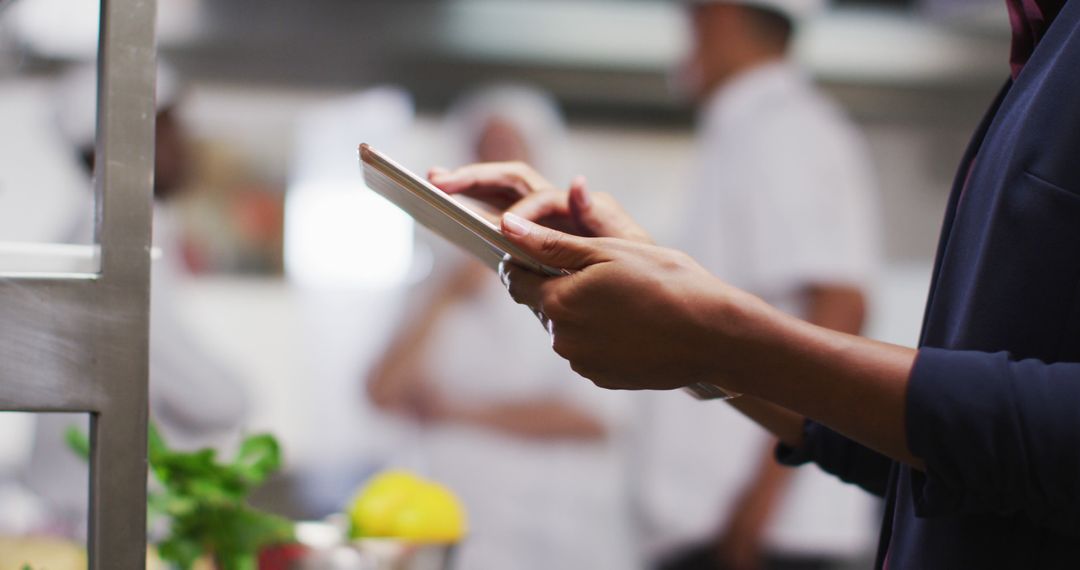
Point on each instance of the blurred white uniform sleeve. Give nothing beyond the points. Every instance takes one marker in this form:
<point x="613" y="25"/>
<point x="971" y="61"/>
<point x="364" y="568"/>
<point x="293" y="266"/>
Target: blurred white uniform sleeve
<point x="812" y="208"/>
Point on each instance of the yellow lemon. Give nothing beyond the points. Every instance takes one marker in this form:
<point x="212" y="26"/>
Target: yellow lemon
<point x="374" y="509"/>
<point x="430" y="515"/>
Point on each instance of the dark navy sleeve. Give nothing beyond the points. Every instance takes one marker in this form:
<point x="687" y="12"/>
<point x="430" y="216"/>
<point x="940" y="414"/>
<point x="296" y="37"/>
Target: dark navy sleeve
<point x="997" y="435"/>
<point x="839" y="456"/>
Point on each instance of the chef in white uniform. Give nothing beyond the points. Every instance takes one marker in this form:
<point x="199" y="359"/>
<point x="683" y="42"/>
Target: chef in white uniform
<point x="537" y="456"/>
<point x="783" y="205"/>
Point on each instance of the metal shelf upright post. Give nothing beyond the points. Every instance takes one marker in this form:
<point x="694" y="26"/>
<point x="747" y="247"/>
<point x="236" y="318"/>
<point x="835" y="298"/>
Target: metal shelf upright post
<point x="79" y="342"/>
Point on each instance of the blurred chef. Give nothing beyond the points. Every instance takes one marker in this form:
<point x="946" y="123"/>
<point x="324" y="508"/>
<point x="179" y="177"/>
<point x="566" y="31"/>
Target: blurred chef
<point x="194" y="398"/>
<point x="536" y="455"/>
<point x="783" y="205"/>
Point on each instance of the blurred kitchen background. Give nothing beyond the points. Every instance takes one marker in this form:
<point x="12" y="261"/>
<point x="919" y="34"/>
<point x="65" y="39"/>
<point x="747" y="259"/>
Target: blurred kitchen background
<point x="297" y="276"/>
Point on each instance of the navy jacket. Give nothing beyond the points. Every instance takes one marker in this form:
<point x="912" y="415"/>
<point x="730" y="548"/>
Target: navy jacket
<point x="993" y="403"/>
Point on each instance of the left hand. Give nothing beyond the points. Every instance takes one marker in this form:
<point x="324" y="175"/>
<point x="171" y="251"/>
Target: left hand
<point x="632" y="315"/>
<point x="516" y="188"/>
<point x="426" y="404"/>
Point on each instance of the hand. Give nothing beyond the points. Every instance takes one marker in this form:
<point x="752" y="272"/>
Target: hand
<point x="427" y="405"/>
<point x="516" y="188"/>
<point x="632" y="315"/>
<point x="408" y="393"/>
<point x="389" y="389"/>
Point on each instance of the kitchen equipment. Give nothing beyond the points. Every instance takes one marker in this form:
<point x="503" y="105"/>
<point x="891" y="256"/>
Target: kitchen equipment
<point x="327" y="547"/>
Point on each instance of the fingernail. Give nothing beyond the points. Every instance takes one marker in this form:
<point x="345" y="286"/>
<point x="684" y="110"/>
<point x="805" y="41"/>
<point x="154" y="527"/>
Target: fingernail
<point x="515" y="225"/>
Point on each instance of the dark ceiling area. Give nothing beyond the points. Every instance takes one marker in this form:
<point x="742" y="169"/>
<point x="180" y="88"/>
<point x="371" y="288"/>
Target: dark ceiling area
<point x="604" y="59"/>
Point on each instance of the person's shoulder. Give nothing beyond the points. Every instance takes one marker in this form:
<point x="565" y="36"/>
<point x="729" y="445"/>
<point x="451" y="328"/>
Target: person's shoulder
<point x="802" y="100"/>
<point x="807" y="117"/>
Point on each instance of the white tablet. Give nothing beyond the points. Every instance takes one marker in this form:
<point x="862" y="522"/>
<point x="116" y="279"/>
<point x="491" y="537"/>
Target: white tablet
<point x="439" y="212"/>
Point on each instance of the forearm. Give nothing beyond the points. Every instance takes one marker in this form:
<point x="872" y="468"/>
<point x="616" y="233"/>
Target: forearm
<point x="837" y="307"/>
<point x="698" y="328"/>
<point x="387" y="379"/>
<point x="855" y="386"/>
<point x="541" y="419"/>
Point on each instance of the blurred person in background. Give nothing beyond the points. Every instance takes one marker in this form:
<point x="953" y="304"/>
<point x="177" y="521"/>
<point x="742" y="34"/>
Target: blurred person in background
<point x="195" y="399"/>
<point x="783" y="206"/>
<point x="537" y="457"/>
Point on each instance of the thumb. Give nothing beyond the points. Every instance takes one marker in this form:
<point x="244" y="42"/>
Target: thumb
<point x="551" y="247"/>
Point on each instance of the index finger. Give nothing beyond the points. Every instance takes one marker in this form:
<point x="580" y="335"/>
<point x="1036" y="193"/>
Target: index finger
<point x="539" y="205"/>
<point x="514" y="177"/>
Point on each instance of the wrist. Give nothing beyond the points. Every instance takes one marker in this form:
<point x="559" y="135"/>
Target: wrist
<point x="744" y="331"/>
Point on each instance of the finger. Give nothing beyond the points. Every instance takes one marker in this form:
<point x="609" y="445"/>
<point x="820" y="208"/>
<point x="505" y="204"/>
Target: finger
<point x="598" y="221"/>
<point x="581" y="207"/>
<point x="483" y="179"/>
<point x="525" y="287"/>
<point x="579" y="193"/>
<point x="512" y="177"/>
<point x="540" y="205"/>
<point x="551" y="247"/>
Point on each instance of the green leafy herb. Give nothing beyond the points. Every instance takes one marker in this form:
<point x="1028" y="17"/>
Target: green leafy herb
<point x="205" y="501"/>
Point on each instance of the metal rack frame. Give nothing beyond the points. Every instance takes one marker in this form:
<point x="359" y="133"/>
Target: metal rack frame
<point x="79" y="343"/>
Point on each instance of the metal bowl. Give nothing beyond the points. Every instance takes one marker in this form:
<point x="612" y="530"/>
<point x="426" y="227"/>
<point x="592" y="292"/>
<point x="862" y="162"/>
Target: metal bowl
<point x="327" y="547"/>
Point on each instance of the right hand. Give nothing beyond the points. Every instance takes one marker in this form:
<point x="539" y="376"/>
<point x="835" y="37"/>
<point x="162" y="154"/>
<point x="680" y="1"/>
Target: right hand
<point x="516" y="188"/>
<point x="632" y="315"/>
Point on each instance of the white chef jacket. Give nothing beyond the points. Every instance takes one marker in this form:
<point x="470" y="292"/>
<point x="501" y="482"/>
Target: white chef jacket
<point x="532" y="505"/>
<point x="784" y="198"/>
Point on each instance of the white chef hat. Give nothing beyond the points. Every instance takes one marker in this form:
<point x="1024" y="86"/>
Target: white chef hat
<point x="534" y="113"/>
<point x="795" y="10"/>
<point x="75" y="101"/>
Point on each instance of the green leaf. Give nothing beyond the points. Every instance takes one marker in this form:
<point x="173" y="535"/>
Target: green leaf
<point x="171" y="504"/>
<point x="155" y="444"/>
<point x="238" y="561"/>
<point x="180" y="551"/>
<point x="206" y="501"/>
<point x="245" y="531"/>
<point x="259" y="456"/>
<point x="78" y="442"/>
